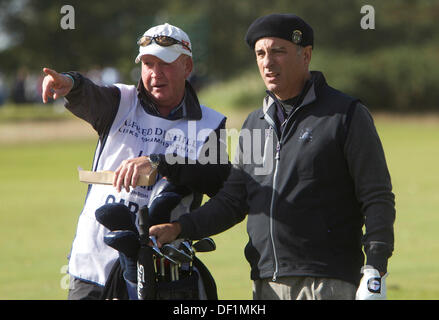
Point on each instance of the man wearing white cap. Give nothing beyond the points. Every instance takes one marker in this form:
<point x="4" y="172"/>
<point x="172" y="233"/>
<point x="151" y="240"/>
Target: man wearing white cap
<point x="137" y="127"/>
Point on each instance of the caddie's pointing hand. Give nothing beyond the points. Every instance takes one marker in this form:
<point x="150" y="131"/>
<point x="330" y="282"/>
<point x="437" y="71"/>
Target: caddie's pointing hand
<point x="55" y="85"/>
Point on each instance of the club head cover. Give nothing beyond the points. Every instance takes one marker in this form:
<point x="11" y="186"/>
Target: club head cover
<point x="127" y="243"/>
<point x="124" y="241"/>
<point x="164" y="185"/>
<point x="116" y="216"/>
<point x="164" y="198"/>
<point x="162" y="206"/>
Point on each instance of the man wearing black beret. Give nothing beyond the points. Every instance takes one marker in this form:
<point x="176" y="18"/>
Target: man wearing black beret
<point x="327" y="179"/>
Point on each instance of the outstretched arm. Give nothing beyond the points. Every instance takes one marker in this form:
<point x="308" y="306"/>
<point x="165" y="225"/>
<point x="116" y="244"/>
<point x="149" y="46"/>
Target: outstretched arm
<point x="93" y="103"/>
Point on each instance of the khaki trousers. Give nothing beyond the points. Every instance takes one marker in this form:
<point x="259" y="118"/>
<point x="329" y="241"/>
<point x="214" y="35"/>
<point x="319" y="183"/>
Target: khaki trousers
<point x="303" y="288"/>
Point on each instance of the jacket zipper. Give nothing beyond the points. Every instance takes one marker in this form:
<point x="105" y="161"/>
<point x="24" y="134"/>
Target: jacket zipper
<point x="276" y="264"/>
<point x="273" y="194"/>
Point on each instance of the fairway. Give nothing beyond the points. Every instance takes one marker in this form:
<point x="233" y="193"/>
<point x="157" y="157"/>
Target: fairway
<point x="41" y="198"/>
<point x="412" y="152"/>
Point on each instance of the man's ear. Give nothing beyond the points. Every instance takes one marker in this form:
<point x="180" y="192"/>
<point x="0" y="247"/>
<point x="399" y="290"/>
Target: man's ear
<point x="307" y="53"/>
<point x="188" y="65"/>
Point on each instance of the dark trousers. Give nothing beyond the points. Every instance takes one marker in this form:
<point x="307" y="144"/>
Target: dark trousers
<point x="83" y="290"/>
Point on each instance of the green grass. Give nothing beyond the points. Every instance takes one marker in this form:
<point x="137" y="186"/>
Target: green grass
<point x="412" y="153"/>
<point x="41" y="198"/>
<point x="33" y="112"/>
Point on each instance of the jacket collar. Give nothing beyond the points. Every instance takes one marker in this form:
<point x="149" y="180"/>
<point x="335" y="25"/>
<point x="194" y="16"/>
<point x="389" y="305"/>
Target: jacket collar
<point x="188" y="108"/>
<point x="317" y="80"/>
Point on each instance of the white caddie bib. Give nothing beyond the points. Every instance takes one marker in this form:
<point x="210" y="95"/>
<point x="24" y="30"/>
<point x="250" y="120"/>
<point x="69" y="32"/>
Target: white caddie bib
<point x="133" y="133"/>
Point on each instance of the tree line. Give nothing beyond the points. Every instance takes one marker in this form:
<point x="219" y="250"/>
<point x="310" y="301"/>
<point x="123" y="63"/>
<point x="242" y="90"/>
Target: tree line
<point x="106" y="32"/>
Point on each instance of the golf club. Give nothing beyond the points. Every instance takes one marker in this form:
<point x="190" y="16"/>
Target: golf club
<point x="186" y="246"/>
<point x="172" y="265"/>
<point x="178" y="255"/>
<point x="146" y="281"/>
<point x="155" y="246"/>
<point x="204" y="245"/>
<point x="159" y="256"/>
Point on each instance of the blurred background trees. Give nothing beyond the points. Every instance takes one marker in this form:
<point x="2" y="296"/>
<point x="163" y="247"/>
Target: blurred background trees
<point x="393" y="67"/>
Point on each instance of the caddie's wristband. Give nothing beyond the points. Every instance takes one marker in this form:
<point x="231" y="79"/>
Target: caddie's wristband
<point x="73" y="80"/>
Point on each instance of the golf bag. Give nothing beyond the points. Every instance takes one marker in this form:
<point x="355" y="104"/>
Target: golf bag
<point x="144" y="271"/>
<point x="199" y="286"/>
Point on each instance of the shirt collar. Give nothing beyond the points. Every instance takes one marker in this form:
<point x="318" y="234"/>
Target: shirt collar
<point x="307" y="96"/>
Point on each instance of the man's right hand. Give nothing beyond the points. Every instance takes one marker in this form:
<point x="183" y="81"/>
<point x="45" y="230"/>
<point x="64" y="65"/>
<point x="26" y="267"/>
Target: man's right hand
<point x="165" y="233"/>
<point x="55" y="85"/>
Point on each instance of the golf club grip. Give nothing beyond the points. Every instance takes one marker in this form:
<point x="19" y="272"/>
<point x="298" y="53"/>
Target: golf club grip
<point x="146" y="282"/>
<point x="143" y="223"/>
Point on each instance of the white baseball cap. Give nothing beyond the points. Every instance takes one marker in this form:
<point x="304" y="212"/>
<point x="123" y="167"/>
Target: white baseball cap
<point x="166" y="53"/>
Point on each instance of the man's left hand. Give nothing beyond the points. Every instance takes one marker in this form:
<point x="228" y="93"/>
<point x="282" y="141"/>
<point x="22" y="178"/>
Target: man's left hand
<point x="372" y="285"/>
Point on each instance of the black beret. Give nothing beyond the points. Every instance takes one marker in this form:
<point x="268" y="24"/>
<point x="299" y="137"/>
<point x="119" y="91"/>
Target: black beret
<point x="285" y="26"/>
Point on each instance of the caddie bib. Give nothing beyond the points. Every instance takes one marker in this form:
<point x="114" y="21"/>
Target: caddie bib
<point x="133" y="133"/>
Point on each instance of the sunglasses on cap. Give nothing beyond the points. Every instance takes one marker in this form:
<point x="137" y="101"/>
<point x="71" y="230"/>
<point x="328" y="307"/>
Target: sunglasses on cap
<point x="164" y="41"/>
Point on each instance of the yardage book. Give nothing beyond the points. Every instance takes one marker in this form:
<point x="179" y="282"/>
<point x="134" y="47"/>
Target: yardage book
<point x="106" y="177"/>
